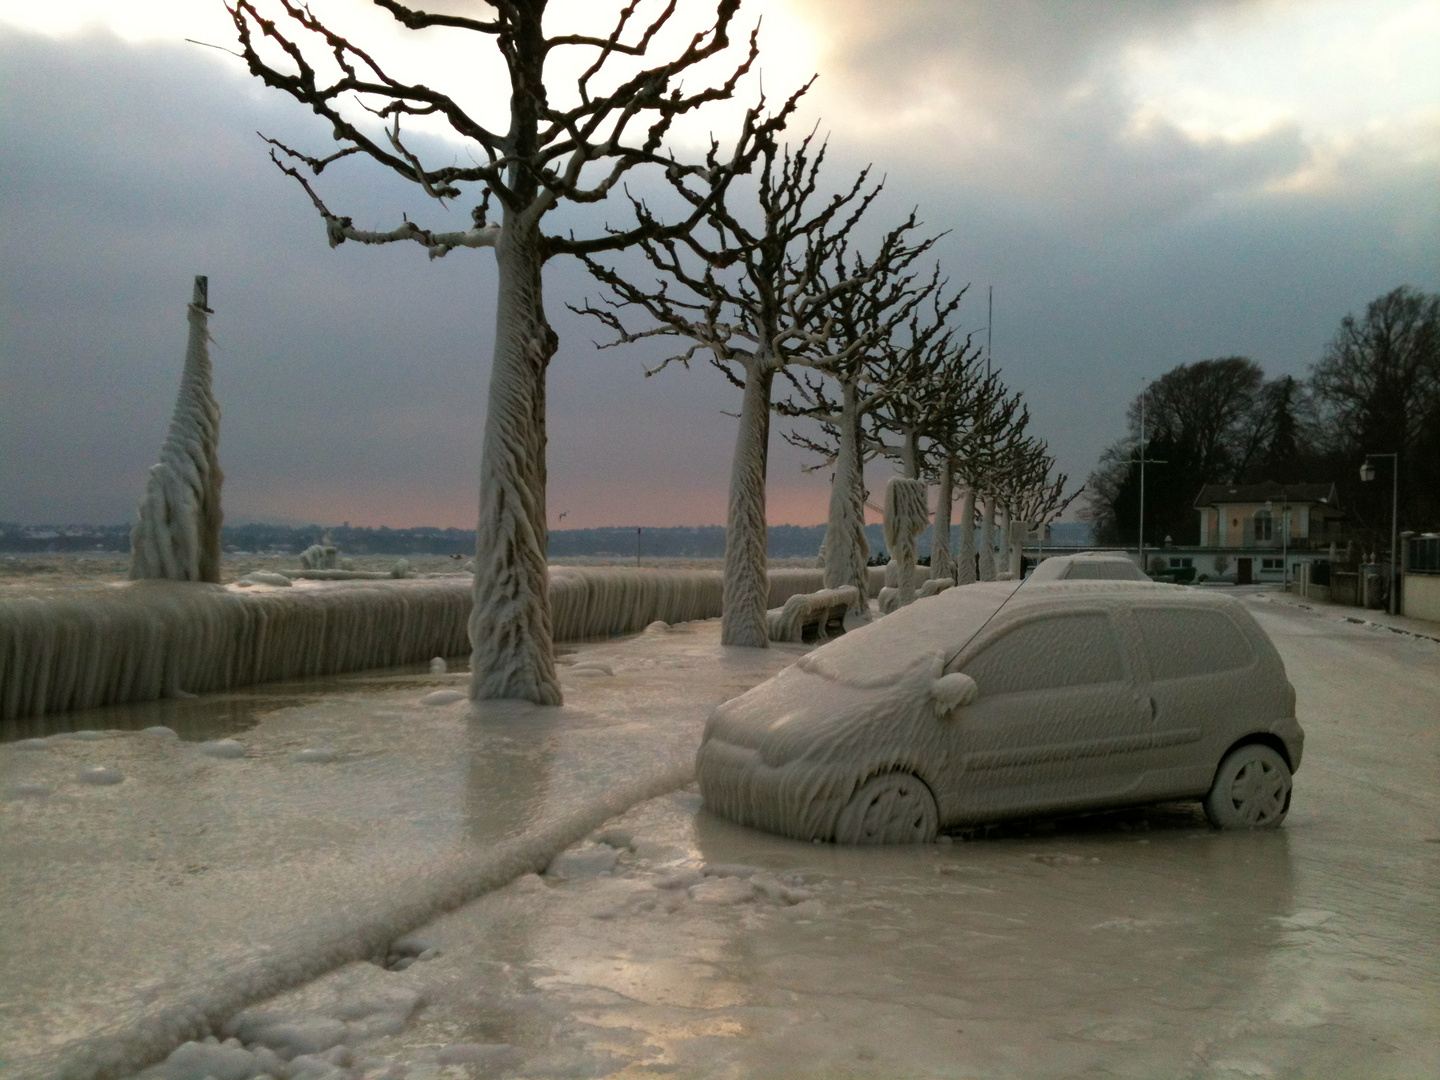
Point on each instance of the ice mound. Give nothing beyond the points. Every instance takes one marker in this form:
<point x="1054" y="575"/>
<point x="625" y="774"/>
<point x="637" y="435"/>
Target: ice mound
<point x="160" y="731"/>
<point x="223" y="748"/>
<point x="32" y="744"/>
<point x="590" y="861"/>
<point x="437" y="666"/>
<point x="443" y="697"/>
<point x="88" y="735"/>
<point x="101" y="775"/>
<point x="315" y="755"/>
<point x="264" y="577"/>
<point x="202" y="1060"/>
<point x="593" y="667"/>
<point x="287" y="1034"/>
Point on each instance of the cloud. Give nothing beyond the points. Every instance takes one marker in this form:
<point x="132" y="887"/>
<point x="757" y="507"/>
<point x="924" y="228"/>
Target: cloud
<point x="1128" y="221"/>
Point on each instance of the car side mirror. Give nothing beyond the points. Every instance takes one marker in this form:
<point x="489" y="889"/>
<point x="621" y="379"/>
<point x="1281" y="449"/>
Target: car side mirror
<point x="953" y="690"/>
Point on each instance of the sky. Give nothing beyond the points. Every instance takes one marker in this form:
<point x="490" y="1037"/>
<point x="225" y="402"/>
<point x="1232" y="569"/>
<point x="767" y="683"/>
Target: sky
<point x="1143" y="183"/>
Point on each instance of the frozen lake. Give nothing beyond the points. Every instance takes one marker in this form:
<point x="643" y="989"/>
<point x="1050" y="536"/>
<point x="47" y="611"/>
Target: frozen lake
<point x="1138" y="943"/>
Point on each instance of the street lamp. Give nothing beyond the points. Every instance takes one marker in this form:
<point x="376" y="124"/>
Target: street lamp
<point x="1367" y="474"/>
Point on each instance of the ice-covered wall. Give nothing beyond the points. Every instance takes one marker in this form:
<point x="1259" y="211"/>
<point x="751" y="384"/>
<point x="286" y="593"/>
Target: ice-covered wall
<point x="152" y="639"/>
<point x="177" y="536"/>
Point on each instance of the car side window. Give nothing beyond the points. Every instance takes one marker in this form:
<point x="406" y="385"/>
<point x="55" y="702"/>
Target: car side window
<point x="1180" y="642"/>
<point x="1067" y="650"/>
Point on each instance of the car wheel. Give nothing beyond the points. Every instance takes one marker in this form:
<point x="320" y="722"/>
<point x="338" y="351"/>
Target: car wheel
<point x="892" y="808"/>
<point x="1251" y="789"/>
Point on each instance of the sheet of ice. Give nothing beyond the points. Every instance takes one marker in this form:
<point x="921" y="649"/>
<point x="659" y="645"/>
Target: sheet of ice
<point x="132" y="916"/>
<point x="1138" y="943"/>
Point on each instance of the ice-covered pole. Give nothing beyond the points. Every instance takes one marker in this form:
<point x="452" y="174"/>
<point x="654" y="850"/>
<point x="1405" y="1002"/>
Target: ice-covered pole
<point x="178" y="535"/>
<point x="942" y="563"/>
<point x="965" y="561"/>
<point x="987" y="540"/>
<point x="1002" y="559"/>
<point x="907" y="513"/>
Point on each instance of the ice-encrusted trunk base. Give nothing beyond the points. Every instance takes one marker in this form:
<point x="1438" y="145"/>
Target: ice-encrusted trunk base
<point x="1002" y="559"/>
<point x="965" y="561"/>
<point x="942" y="563"/>
<point x="177" y="536"/>
<point x="847" y="552"/>
<point x="1018" y="531"/>
<point x="907" y="513"/>
<point x="747" y="590"/>
<point x="510" y="626"/>
<point x="987" y="541"/>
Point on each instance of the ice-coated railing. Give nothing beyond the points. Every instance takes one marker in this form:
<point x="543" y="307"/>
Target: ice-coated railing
<point x="146" y="640"/>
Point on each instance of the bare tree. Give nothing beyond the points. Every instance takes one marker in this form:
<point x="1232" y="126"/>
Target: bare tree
<point x="751" y="291"/>
<point x="864" y="322"/>
<point x="981" y="421"/>
<point x="546" y="154"/>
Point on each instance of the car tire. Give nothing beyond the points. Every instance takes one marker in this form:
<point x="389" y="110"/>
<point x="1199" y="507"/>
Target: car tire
<point x="1251" y="789"/>
<point x="892" y="808"/>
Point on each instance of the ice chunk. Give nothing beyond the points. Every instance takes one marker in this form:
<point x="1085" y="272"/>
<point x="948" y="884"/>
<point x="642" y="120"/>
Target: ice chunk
<point x="593" y="667"/>
<point x="618" y="838"/>
<point x="288" y="1034"/>
<point x="202" y="1060"/>
<point x="437" y="666"/>
<point x="722" y="870"/>
<point x="443" y="697"/>
<point x="317" y="755"/>
<point x="223" y="748"/>
<point x="682" y="878"/>
<point x="160" y="731"/>
<point x="585" y="862"/>
<point x="659" y="626"/>
<point x="727" y="890"/>
<point x="101" y="775"/>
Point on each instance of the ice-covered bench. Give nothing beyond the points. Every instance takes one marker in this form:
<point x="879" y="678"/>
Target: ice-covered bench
<point x="813" y="616"/>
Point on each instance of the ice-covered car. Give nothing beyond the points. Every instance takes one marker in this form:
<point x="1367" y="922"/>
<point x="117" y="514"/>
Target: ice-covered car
<point x="999" y="700"/>
<point x="1088" y="566"/>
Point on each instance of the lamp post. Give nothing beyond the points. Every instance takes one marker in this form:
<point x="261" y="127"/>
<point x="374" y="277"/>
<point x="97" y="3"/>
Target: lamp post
<point x="1367" y="474"/>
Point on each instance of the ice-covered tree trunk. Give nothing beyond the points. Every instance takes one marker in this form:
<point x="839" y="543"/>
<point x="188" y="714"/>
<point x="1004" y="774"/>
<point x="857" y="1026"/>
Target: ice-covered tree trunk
<point x="965" y="562"/>
<point x="510" y="626"/>
<point x="1002" y="560"/>
<point x="942" y="563"/>
<point x="987" y="541"/>
<point x="846" y="550"/>
<point x="747" y="588"/>
<point x="907" y="512"/>
<point x="177" y="536"/>
<point x="1018" y="531"/>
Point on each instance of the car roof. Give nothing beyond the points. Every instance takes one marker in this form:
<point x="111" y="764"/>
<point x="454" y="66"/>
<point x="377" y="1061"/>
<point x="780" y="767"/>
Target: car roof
<point x="1057" y="567"/>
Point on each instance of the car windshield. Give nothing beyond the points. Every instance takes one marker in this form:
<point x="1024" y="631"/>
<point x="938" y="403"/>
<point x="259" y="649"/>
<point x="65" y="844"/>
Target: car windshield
<point x="881" y="653"/>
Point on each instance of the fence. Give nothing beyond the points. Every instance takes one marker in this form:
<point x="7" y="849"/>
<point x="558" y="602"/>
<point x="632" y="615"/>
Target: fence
<point x="147" y="640"/>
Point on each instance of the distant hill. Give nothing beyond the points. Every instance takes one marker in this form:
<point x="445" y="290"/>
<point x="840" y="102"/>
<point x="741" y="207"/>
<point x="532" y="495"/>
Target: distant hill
<point x="691" y="542"/>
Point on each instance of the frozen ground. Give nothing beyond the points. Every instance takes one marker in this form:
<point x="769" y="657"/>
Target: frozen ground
<point x="672" y="943"/>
